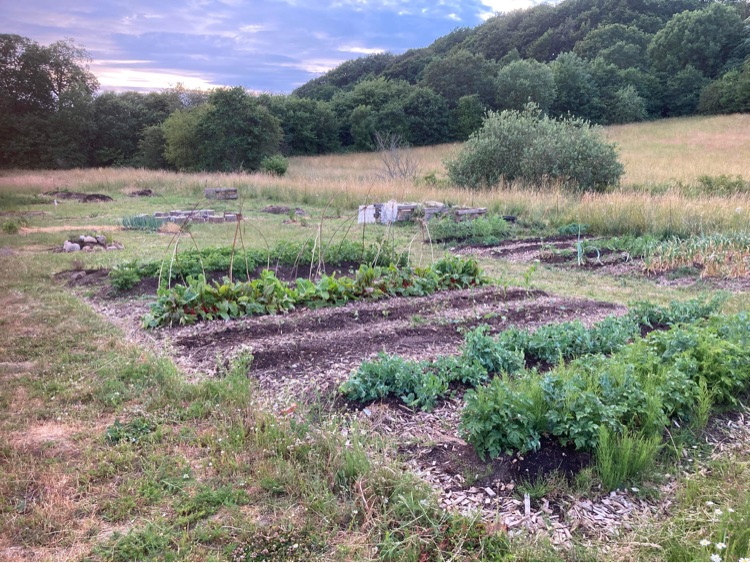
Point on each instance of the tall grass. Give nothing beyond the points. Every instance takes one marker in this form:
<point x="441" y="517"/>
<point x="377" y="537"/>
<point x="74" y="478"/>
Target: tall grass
<point x="664" y="160"/>
<point x="680" y="150"/>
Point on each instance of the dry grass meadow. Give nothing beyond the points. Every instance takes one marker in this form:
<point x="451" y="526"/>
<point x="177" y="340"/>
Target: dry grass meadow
<point x="213" y="476"/>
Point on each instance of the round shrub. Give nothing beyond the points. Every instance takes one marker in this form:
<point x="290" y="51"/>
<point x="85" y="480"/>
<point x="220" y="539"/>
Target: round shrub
<point x="276" y="165"/>
<point x="533" y="148"/>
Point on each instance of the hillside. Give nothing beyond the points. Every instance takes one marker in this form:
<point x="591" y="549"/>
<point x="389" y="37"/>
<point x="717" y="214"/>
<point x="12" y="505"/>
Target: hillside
<point x="607" y="61"/>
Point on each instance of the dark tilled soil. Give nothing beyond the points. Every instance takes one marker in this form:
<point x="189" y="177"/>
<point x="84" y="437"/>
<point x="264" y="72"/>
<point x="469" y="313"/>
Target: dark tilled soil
<point x="527" y="250"/>
<point x="457" y="458"/>
<point x="303" y="344"/>
<point x="142" y="193"/>
<point x="523" y="250"/>
<point x="84" y="198"/>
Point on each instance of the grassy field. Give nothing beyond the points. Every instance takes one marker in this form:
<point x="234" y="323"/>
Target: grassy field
<point x="108" y="451"/>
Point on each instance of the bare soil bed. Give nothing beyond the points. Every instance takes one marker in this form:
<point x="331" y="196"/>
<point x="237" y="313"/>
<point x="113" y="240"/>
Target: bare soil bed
<point x="601" y="261"/>
<point x="604" y="261"/>
<point x="307" y="353"/>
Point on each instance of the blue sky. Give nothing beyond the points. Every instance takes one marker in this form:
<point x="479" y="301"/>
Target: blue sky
<point x="270" y="46"/>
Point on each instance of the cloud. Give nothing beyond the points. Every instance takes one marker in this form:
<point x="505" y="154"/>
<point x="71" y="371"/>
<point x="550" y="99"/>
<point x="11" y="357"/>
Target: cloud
<point x="361" y="50"/>
<point x="272" y="45"/>
<point x="120" y="79"/>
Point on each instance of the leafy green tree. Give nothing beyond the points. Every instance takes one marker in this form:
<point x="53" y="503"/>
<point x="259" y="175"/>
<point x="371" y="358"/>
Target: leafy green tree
<point x="236" y="132"/>
<point x="621" y="45"/>
<point x="45" y="97"/>
<point x="120" y="119"/>
<point x="728" y="94"/>
<point x="627" y="106"/>
<point x="417" y="115"/>
<point x="467" y="117"/>
<point x="703" y="39"/>
<point x="648" y="87"/>
<point x="151" y="148"/>
<point x="461" y="74"/>
<point x="181" y="139"/>
<point x="525" y="81"/>
<point x="309" y="126"/>
<point x="362" y="124"/>
<point x="682" y="92"/>
<point x="577" y="92"/>
<point x="427" y="116"/>
<point x="409" y="66"/>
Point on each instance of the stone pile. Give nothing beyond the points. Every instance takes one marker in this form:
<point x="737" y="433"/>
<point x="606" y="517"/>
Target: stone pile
<point x="88" y="243"/>
<point x="196" y="216"/>
<point x="220" y="193"/>
<point x="392" y="212"/>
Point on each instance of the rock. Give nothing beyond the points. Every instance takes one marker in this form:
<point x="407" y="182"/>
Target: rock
<point x="71" y="246"/>
<point x="89" y="240"/>
<point x="220" y="193"/>
<point x="101" y="239"/>
<point x="87" y="249"/>
<point x="276" y="209"/>
<point x="142" y="193"/>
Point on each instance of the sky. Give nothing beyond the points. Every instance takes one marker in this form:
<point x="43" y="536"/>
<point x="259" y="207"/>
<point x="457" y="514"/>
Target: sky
<point x="265" y="46"/>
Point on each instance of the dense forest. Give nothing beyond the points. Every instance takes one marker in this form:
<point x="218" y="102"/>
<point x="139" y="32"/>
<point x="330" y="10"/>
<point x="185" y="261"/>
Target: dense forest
<point x="607" y="61"/>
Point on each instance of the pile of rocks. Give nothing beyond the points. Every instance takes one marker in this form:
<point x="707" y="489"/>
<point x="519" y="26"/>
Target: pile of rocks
<point x="393" y="211"/>
<point x="196" y="216"/>
<point x="220" y="193"/>
<point x="88" y="243"/>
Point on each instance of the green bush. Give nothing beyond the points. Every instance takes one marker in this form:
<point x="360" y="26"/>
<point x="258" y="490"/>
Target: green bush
<point x="479" y="347"/>
<point x="498" y="418"/>
<point x="276" y="165"/>
<point x="10" y="228"/>
<point x="533" y="148"/>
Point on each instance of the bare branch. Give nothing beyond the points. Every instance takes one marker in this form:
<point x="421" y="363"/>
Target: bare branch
<point x="396" y="156"/>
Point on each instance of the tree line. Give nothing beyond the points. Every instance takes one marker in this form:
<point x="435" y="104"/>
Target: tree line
<point x="606" y="61"/>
